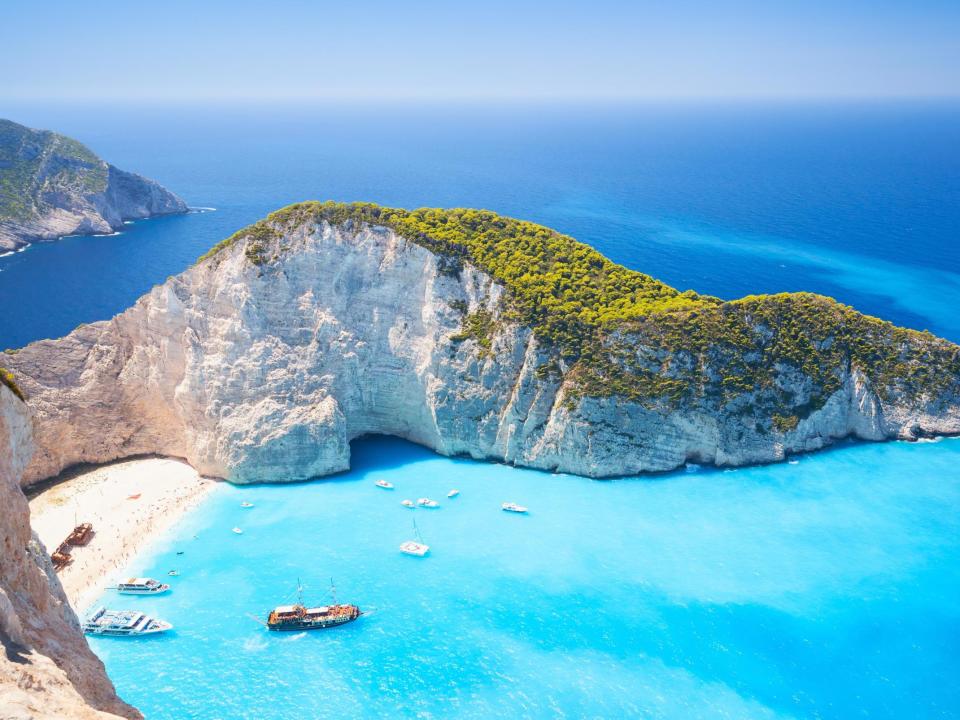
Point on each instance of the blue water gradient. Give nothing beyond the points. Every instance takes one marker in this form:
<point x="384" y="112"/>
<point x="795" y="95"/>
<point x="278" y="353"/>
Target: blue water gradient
<point x="861" y="202"/>
<point x="822" y="589"/>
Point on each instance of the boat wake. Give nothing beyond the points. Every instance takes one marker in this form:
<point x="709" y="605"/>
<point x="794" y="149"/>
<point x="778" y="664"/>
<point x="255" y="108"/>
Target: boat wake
<point x="255" y="644"/>
<point x="298" y="636"/>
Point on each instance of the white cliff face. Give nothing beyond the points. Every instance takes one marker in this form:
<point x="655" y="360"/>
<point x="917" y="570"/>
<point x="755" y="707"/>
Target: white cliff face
<point x="46" y="668"/>
<point x="266" y="372"/>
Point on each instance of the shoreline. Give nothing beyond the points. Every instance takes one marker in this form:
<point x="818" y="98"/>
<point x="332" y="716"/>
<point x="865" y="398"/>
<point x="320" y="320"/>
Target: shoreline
<point x="130" y="504"/>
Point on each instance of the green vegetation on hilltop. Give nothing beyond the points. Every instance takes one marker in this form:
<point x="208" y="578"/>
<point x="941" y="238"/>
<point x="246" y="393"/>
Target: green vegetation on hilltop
<point x="35" y="162"/>
<point x="565" y="289"/>
<point x="623" y="333"/>
<point x="6" y="378"/>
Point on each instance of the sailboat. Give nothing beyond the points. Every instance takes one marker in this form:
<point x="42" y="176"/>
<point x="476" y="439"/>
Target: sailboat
<point x="415" y="547"/>
<point x="300" y="617"/>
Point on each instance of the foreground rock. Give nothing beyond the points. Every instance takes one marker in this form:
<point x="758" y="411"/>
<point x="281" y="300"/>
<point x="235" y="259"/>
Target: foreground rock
<point x="46" y="668"/>
<point x="51" y="186"/>
<point x="470" y="334"/>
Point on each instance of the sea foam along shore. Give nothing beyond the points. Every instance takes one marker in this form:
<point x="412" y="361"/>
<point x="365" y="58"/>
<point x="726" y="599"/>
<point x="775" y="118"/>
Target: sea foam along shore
<point x="129" y="503"/>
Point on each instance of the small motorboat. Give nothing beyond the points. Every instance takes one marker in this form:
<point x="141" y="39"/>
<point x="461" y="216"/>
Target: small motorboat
<point x="416" y="547"/>
<point x="384" y="484"/>
<point x="453" y="493"/>
<point x="123" y="623"/>
<point x="246" y="504"/>
<point x="238" y="531"/>
<point x="513" y="507"/>
<point x="408" y="503"/>
<point x="173" y="573"/>
<point x="427" y="503"/>
<point x="142" y="586"/>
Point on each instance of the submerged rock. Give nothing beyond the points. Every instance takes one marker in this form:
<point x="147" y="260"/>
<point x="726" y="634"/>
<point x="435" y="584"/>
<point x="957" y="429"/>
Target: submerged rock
<point x="51" y="186"/>
<point x="471" y="334"/>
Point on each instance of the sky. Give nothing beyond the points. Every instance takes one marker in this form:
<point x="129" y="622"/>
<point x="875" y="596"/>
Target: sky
<point x="99" y="50"/>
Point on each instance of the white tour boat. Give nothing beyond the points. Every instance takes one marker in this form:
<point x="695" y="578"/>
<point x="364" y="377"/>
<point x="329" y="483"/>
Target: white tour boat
<point x="142" y="586"/>
<point x="238" y="531"/>
<point x="453" y="493"/>
<point x="123" y="623"/>
<point x="427" y="503"/>
<point x="407" y="503"/>
<point x="415" y="547"/>
<point x="246" y="504"/>
<point x="384" y="484"/>
<point x="513" y="507"/>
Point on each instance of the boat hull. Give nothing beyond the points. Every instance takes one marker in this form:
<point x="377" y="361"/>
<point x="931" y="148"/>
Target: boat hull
<point x="311" y="625"/>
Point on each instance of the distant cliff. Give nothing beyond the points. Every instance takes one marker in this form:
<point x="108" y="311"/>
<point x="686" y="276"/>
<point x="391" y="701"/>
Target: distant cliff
<point x="46" y="668"/>
<point x="51" y="186"/>
<point x="471" y="334"/>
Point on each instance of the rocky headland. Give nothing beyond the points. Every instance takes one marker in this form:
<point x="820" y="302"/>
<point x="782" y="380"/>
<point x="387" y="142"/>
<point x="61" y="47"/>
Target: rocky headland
<point x="51" y="186"/>
<point x="471" y="334"/>
<point x="47" y="669"/>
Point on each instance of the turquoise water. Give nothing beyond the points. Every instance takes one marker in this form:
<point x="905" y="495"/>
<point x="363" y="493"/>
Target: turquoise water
<point x="822" y="589"/>
<point x="825" y="589"/>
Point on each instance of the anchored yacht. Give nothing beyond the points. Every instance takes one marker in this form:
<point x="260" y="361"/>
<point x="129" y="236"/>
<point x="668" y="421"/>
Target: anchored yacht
<point x="123" y="623"/>
<point x="142" y="586"/>
<point x="427" y="503"/>
<point x="415" y="547"/>
<point x="513" y="507"/>
<point x="384" y="484"/>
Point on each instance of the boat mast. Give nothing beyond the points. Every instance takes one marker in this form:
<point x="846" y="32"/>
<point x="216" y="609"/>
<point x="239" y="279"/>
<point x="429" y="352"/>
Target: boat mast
<point x="333" y="590"/>
<point x="299" y="592"/>
<point x="416" y="530"/>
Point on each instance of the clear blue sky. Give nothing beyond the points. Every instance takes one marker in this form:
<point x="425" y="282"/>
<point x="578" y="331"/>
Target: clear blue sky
<point x="409" y="49"/>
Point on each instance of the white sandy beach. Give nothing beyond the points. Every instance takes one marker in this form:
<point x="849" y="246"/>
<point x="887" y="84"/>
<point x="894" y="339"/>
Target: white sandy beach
<point x="129" y="504"/>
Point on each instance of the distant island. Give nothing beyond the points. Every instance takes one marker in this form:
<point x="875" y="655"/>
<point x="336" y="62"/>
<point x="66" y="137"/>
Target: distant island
<point x="52" y="185"/>
<point x="472" y="334"/>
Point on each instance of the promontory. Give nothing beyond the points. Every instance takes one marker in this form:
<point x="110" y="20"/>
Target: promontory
<point x="51" y="186"/>
<point x="472" y="334"/>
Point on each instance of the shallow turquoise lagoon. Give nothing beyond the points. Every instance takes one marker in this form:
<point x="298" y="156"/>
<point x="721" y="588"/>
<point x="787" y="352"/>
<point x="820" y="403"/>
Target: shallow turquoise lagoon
<point x="826" y="588"/>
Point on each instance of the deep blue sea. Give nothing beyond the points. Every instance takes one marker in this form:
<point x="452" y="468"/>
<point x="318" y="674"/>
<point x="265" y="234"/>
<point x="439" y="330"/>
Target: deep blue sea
<point x="828" y="588"/>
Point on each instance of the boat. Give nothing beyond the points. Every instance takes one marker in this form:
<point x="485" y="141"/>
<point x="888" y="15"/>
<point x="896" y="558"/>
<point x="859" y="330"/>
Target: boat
<point x="238" y="531"/>
<point x="415" y="547"/>
<point x="453" y="493"/>
<point x="246" y="504"/>
<point x="384" y="484"/>
<point x="123" y="623"/>
<point x="513" y="507"/>
<point x="427" y="503"/>
<point x="61" y="557"/>
<point x="300" y="617"/>
<point x="173" y="573"/>
<point x="81" y="535"/>
<point x="142" y="586"/>
<point x="408" y="503"/>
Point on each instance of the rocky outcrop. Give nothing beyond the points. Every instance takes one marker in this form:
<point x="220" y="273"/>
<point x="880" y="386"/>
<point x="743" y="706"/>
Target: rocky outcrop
<point x="46" y="668"/>
<point x="51" y="186"/>
<point x="265" y="359"/>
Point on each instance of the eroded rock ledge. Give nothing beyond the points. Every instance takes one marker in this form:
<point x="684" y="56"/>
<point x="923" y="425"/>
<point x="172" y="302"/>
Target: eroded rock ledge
<point x="471" y="334"/>
<point x="46" y="668"/>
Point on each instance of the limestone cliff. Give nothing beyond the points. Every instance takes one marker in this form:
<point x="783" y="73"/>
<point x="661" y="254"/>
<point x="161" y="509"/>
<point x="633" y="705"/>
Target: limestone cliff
<point x="46" y="668"/>
<point x="51" y="186"/>
<point x="471" y="334"/>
